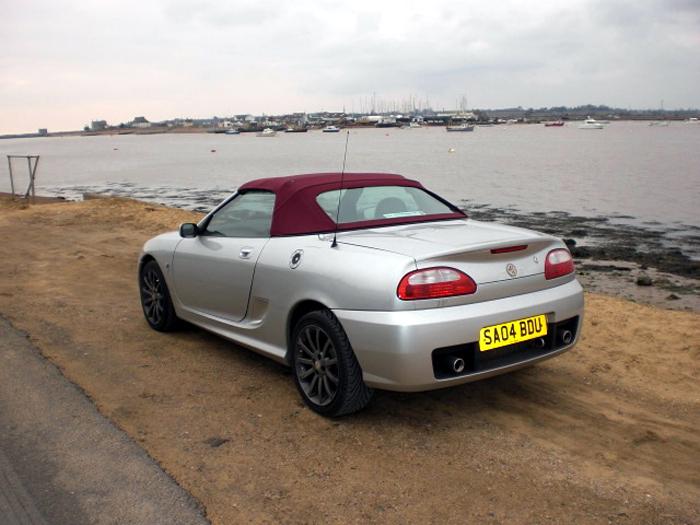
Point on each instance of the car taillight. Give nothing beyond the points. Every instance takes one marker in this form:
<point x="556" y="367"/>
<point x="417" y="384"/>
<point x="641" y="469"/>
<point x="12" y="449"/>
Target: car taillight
<point x="558" y="262"/>
<point x="434" y="282"/>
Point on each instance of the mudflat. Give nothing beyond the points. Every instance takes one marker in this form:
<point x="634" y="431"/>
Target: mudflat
<point x="606" y="433"/>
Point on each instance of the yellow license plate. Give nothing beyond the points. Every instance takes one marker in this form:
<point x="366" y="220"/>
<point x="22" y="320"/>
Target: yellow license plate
<point x="498" y="335"/>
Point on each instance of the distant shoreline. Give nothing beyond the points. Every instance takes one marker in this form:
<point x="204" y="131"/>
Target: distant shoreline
<point x="159" y="130"/>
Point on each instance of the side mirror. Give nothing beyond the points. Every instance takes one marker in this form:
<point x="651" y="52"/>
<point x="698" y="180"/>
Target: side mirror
<point x="188" y="229"/>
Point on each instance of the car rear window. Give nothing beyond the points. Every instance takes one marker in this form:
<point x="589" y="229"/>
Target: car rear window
<point x="379" y="203"/>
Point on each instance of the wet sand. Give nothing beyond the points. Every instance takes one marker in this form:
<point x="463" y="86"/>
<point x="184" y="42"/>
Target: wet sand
<point x="607" y="433"/>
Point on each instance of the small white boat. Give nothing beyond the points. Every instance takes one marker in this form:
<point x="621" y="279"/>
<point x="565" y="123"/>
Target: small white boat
<point x="413" y="125"/>
<point x="267" y="132"/>
<point x="233" y="132"/>
<point x="331" y="129"/>
<point x="659" y="123"/>
<point x="461" y="127"/>
<point x="591" y="123"/>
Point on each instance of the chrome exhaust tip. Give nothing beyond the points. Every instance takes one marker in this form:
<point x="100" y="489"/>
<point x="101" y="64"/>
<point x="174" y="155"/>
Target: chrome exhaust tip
<point x="567" y="337"/>
<point x="457" y="365"/>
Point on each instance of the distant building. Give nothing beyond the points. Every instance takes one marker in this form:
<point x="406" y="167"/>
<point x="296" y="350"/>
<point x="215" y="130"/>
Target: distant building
<point x="181" y="123"/>
<point x="98" y="125"/>
<point x="140" y="122"/>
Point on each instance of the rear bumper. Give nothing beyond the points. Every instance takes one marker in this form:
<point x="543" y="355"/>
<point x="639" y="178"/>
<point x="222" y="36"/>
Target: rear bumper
<point x="397" y="350"/>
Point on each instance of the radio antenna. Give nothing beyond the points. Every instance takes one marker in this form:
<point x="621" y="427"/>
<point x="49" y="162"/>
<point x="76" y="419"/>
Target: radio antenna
<point x="334" y="244"/>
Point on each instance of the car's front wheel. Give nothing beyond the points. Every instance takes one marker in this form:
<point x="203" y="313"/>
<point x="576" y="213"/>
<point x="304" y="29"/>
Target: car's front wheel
<point x="155" y="299"/>
<point x="326" y="370"/>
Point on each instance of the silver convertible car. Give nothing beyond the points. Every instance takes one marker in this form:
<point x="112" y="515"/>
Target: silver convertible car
<point x="363" y="281"/>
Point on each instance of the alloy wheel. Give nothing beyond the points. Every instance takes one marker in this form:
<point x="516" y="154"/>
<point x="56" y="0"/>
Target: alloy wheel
<point x="316" y="365"/>
<point x="153" y="296"/>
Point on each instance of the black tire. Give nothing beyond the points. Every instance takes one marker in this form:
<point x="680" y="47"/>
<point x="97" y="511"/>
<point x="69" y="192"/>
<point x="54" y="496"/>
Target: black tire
<point x="321" y="350"/>
<point x="155" y="299"/>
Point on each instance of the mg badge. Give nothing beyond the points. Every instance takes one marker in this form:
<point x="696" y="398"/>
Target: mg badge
<point x="511" y="269"/>
<point x="295" y="261"/>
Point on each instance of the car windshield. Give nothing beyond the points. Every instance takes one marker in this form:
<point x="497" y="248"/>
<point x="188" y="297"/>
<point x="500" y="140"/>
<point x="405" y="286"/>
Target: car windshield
<point x="379" y="202"/>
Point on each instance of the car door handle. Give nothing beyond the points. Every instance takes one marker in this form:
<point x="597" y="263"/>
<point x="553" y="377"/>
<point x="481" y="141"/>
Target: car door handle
<point x="245" y="252"/>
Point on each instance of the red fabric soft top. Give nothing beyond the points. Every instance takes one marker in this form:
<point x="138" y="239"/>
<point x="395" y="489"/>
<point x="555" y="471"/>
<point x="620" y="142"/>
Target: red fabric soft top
<point x="297" y="212"/>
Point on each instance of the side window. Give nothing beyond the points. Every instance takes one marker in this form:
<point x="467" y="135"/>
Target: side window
<point x="247" y="215"/>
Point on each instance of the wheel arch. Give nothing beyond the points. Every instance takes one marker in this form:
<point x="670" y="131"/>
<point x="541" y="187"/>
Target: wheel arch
<point x="298" y="311"/>
<point x="145" y="259"/>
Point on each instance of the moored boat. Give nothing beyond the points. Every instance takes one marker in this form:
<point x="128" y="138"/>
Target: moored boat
<point x="387" y="122"/>
<point x="461" y="127"/>
<point x="554" y="124"/>
<point x="233" y="132"/>
<point x="331" y="129"/>
<point x="591" y="123"/>
<point x="267" y="132"/>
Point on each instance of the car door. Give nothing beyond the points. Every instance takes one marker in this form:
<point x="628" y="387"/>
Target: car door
<point x="213" y="272"/>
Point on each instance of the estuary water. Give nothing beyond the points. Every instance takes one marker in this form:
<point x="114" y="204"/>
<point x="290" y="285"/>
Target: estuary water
<point x="627" y="173"/>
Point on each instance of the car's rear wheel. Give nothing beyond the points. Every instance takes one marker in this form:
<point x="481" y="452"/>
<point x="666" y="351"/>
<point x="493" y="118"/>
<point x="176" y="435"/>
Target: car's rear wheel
<point x="326" y="370"/>
<point x="155" y="299"/>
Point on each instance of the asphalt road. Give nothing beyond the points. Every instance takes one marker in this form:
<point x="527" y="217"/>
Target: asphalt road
<point x="62" y="462"/>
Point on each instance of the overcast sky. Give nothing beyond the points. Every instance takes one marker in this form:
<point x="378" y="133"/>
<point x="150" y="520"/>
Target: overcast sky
<point x="65" y="63"/>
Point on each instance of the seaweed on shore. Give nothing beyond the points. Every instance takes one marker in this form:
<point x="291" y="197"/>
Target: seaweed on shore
<point x="671" y="249"/>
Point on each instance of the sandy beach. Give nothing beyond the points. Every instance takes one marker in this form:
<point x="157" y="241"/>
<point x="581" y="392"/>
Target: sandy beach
<point x="606" y="433"/>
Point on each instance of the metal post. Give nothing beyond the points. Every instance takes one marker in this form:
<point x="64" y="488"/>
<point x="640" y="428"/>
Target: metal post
<point x="31" y="178"/>
<point x="32" y="175"/>
<point x="12" y="182"/>
<point x="36" y="163"/>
